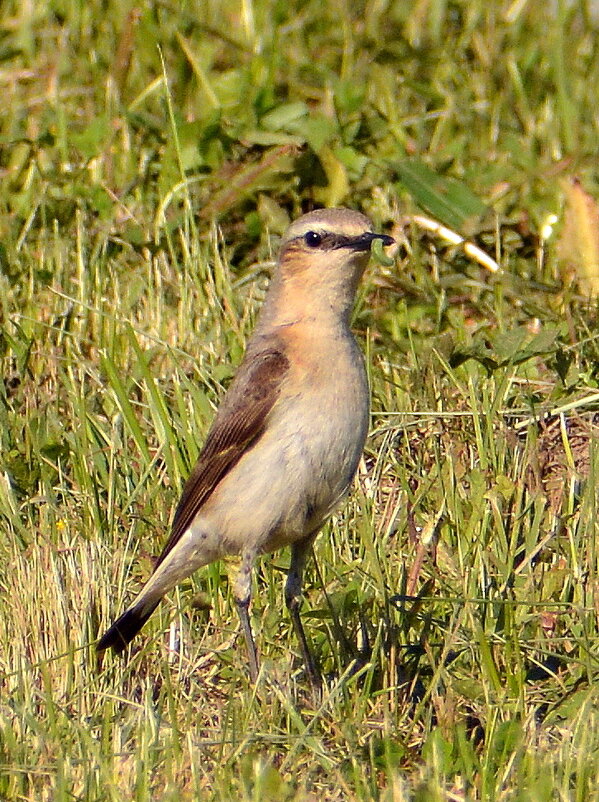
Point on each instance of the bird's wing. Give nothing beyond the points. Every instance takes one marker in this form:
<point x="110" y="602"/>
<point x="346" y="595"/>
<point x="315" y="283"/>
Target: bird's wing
<point x="239" y="423"/>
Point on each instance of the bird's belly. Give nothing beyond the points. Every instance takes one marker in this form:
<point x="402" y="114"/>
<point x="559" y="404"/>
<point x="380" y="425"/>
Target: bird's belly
<point x="285" y="487"/>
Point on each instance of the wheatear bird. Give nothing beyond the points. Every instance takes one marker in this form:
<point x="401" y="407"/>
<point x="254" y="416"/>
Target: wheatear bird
<point x="287" y="438"/>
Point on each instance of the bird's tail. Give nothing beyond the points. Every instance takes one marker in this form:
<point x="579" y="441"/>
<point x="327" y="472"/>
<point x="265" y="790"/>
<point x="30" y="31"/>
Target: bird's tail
<point x="181" y="561"/>
<point x="125" y="628"/>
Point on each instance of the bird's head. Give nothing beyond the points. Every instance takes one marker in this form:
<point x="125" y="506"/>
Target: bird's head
<point x="323" y="256"/>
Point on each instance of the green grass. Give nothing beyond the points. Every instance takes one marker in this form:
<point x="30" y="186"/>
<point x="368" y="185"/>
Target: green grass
<point x="149" y="156"/>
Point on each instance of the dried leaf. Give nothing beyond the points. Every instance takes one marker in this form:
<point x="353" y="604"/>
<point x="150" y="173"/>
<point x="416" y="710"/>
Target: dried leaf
<point x="578" y="246"/>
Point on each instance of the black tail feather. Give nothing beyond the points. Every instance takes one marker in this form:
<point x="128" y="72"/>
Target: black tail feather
<point x="125" y="628"/>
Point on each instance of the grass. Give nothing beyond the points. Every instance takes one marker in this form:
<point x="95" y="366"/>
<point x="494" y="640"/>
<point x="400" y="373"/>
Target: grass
<point x="149" y="156"/>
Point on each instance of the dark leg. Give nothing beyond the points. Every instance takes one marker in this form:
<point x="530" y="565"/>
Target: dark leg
<point x="293" y="598"/>
<point x="242" y="590"/>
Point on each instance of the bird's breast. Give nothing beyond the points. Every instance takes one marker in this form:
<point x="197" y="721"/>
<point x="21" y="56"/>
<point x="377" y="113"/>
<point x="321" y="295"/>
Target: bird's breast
<point x="290" y="480"/>
<point x="320" y="426"/>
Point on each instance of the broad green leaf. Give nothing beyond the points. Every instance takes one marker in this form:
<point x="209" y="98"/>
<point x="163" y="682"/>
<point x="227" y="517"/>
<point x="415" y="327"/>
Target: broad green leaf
<point x="338" y="184"/>
<point x="93" y="138"/>
<point x="511" y="347"/>
<point x="284" y="116"/>
<point x="354" y="161"/>
<point x="446" y="199"/>
<point x="317" y="130"/>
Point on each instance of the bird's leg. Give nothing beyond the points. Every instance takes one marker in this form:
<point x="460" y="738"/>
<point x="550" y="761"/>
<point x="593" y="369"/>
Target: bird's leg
<point x="242" y="591"/>
<point x="293" y="598"/>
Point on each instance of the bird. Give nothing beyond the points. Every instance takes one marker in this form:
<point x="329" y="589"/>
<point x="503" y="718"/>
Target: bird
<point x="286" y="440"/>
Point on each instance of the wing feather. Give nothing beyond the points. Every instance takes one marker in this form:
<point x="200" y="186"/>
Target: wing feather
<point x="239" y="423"/>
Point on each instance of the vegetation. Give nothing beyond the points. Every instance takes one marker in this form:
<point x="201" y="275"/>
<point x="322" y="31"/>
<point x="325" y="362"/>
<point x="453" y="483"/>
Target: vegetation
<point x="149" y="156"/>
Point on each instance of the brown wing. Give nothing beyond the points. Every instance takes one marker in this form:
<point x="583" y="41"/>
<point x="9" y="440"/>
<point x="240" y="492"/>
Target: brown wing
<point x="239" y="423"/>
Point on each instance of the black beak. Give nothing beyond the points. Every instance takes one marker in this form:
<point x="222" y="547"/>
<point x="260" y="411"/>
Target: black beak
<point x="364" y="241"/>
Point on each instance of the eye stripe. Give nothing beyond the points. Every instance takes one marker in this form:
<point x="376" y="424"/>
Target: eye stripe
<point x="328" y="240"/>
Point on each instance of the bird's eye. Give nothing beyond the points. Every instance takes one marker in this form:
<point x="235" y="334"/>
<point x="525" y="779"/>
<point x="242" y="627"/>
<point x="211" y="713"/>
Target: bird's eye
<point x="313" y="239"/>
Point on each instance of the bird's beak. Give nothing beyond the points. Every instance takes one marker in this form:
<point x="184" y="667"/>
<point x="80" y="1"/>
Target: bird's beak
<point x="364" y="241"/>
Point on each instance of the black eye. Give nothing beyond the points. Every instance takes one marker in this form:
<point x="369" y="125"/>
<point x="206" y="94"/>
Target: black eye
<point x="313" y="239"/>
